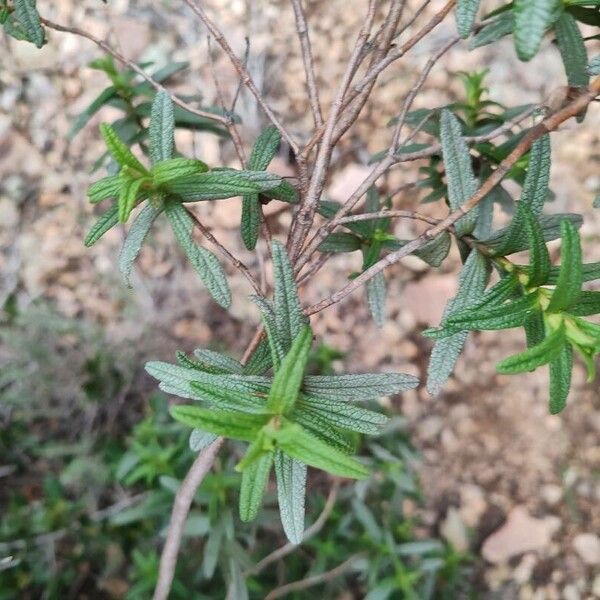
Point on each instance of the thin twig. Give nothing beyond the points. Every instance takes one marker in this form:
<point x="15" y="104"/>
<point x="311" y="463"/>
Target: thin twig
<point x="310" y="532"/>
<point x="241" y="70"/>
<point x="236" y="262"/>
<point x="309" y="62"/>
<point x="305" y="215"/>
<point x="392" y="214"/>
<point x="303" y="584"/>
<point x="181" y="507"/>
<point x="134" y="67"/>
<point x="548" y="125"/>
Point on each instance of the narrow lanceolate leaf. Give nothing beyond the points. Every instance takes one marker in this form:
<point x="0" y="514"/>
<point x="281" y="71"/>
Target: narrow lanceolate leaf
<point x="288" y="378"/>
<point x="322" y="428"/>
<point x="230" y="400"/>
<point x="359" y="386"/>
<point x="298" y="444"/>
<point x="343" y="415"/>
<point x="254" y="481"/>
<point x="203" y="261"/>
<point x="535" y="188"/>
<point x="539" y="258"/>
<point x="135" y="238"/>
<point x="260" y="361"/>
<point x="276" y="343"/>
<point x="376" y="298"/>
<point x="217" y="185"/>
<point x="162" y="128"/>
<point x="459" y="172"/>
<point x="472" y="282"/>
<point x="594" y="66"/>
<point x="466" y="11"/>
<point x="493" y="31"/>
<point x="340" y="242"/>
<point x="101" y="100"/>
<point x="217" y="362"/>
<point x="238" y="426"/>
<point x="498" y="293"/>
<point x="572" y="50"/>
<point x="264" y="149"/>
<point x="532" y="19"/>
<point x="250" y="226"/>
<point x="560" y="379"/>
<point x="570" y="278"/>
<point x="108" y="187"/>
<point x="201" y="439"/>
<point x="174" y="168"/>
<point x="288" y="311"/>
<point x="534" y="328"/>
<point x="29" y="18"/>
<point x="119" y="151"/>
<point x="106" y="221"/>
<point x="291" y="494"/>
<point x="590" y="272"/>
<point x="535" y="357"/>
<point x="587" y="303"/>
<point x="130" y="189"/>
<point x="503" y="316"/>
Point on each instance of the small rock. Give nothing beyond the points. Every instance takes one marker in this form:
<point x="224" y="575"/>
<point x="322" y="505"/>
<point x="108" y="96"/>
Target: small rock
<point x="551" y="494"/>
<point x="521" y="533"/>
<point x="587" y="545"/>
<point x="346" y="181"/>
<point x="426" y="298"/>
<point x="454" y="531"/>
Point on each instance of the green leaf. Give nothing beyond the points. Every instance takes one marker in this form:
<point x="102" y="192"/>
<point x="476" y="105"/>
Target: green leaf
<point x="570" y="278"/>
<point x="135" y="238"/>
<point x="29" y="18"/>
<point x="119" y="151"/>
<point x="201" y="439"/>
<point x="535" y="189"/>
<point x="551" y="227"/>
<point x="366" y="386"/>
<point x="218" y="185"/>
<point x="586" y="304"/>
<point x="106" y="221"/>
<point x="376" y="298"/>
<point x="340" y="242"/>
<point x="499" y="292"/>
<point x="229" y="400"/>
<point x="108" y="187"/>
<point x="277" y="345"/>
<point x="254" y="481"/>
<point x="444" y="356"/>
<point x="298" y="444"/>
<point x="250" y="226"/>
<point x="539" y="258"/>
<point x="291" y="494"/>
<point x="459" y="172"/>
<point x="260" y="361"/>
<point x="532" y="19"/>
<point x="101" y="100"/>
<point x="322" y="428"/>
<point x="217" y="362"/>
<point x="493" y="31"/>
<point x="572" y="50"/>
<point x="342" y="414"/>
<point x="288" y="311"/>
<point x="466" y="11"/>
<point x="212" y="549"/>
<point x="503" y="316"/>
<point x="285" y="192"/>
<point x="288" y="378"/>
<point x="534" y="328"/>
<point x="128" y="196"/>
<point x="203" y="261"/>
<point x="162" y="128"/>
<point x="560" y="379"/>
<point x="264" y="149"/>
<point x="175" y="168"/>
<point x="593" y="67"/>
<point x="237" y="426"/>
<point x="535" y="357"/>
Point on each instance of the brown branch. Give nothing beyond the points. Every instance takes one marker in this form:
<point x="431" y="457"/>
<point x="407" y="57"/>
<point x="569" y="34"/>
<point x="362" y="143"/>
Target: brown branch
<point x="303" y="584"/>
<point x="241" y="70"/>
<point x="308" y="60"/>
<point x="549" y="124"/>
<point x="305" y="215"/>
<point x="393" y="214"/>
<point x="181" y="507"/>
<point x="126" y="62"/>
